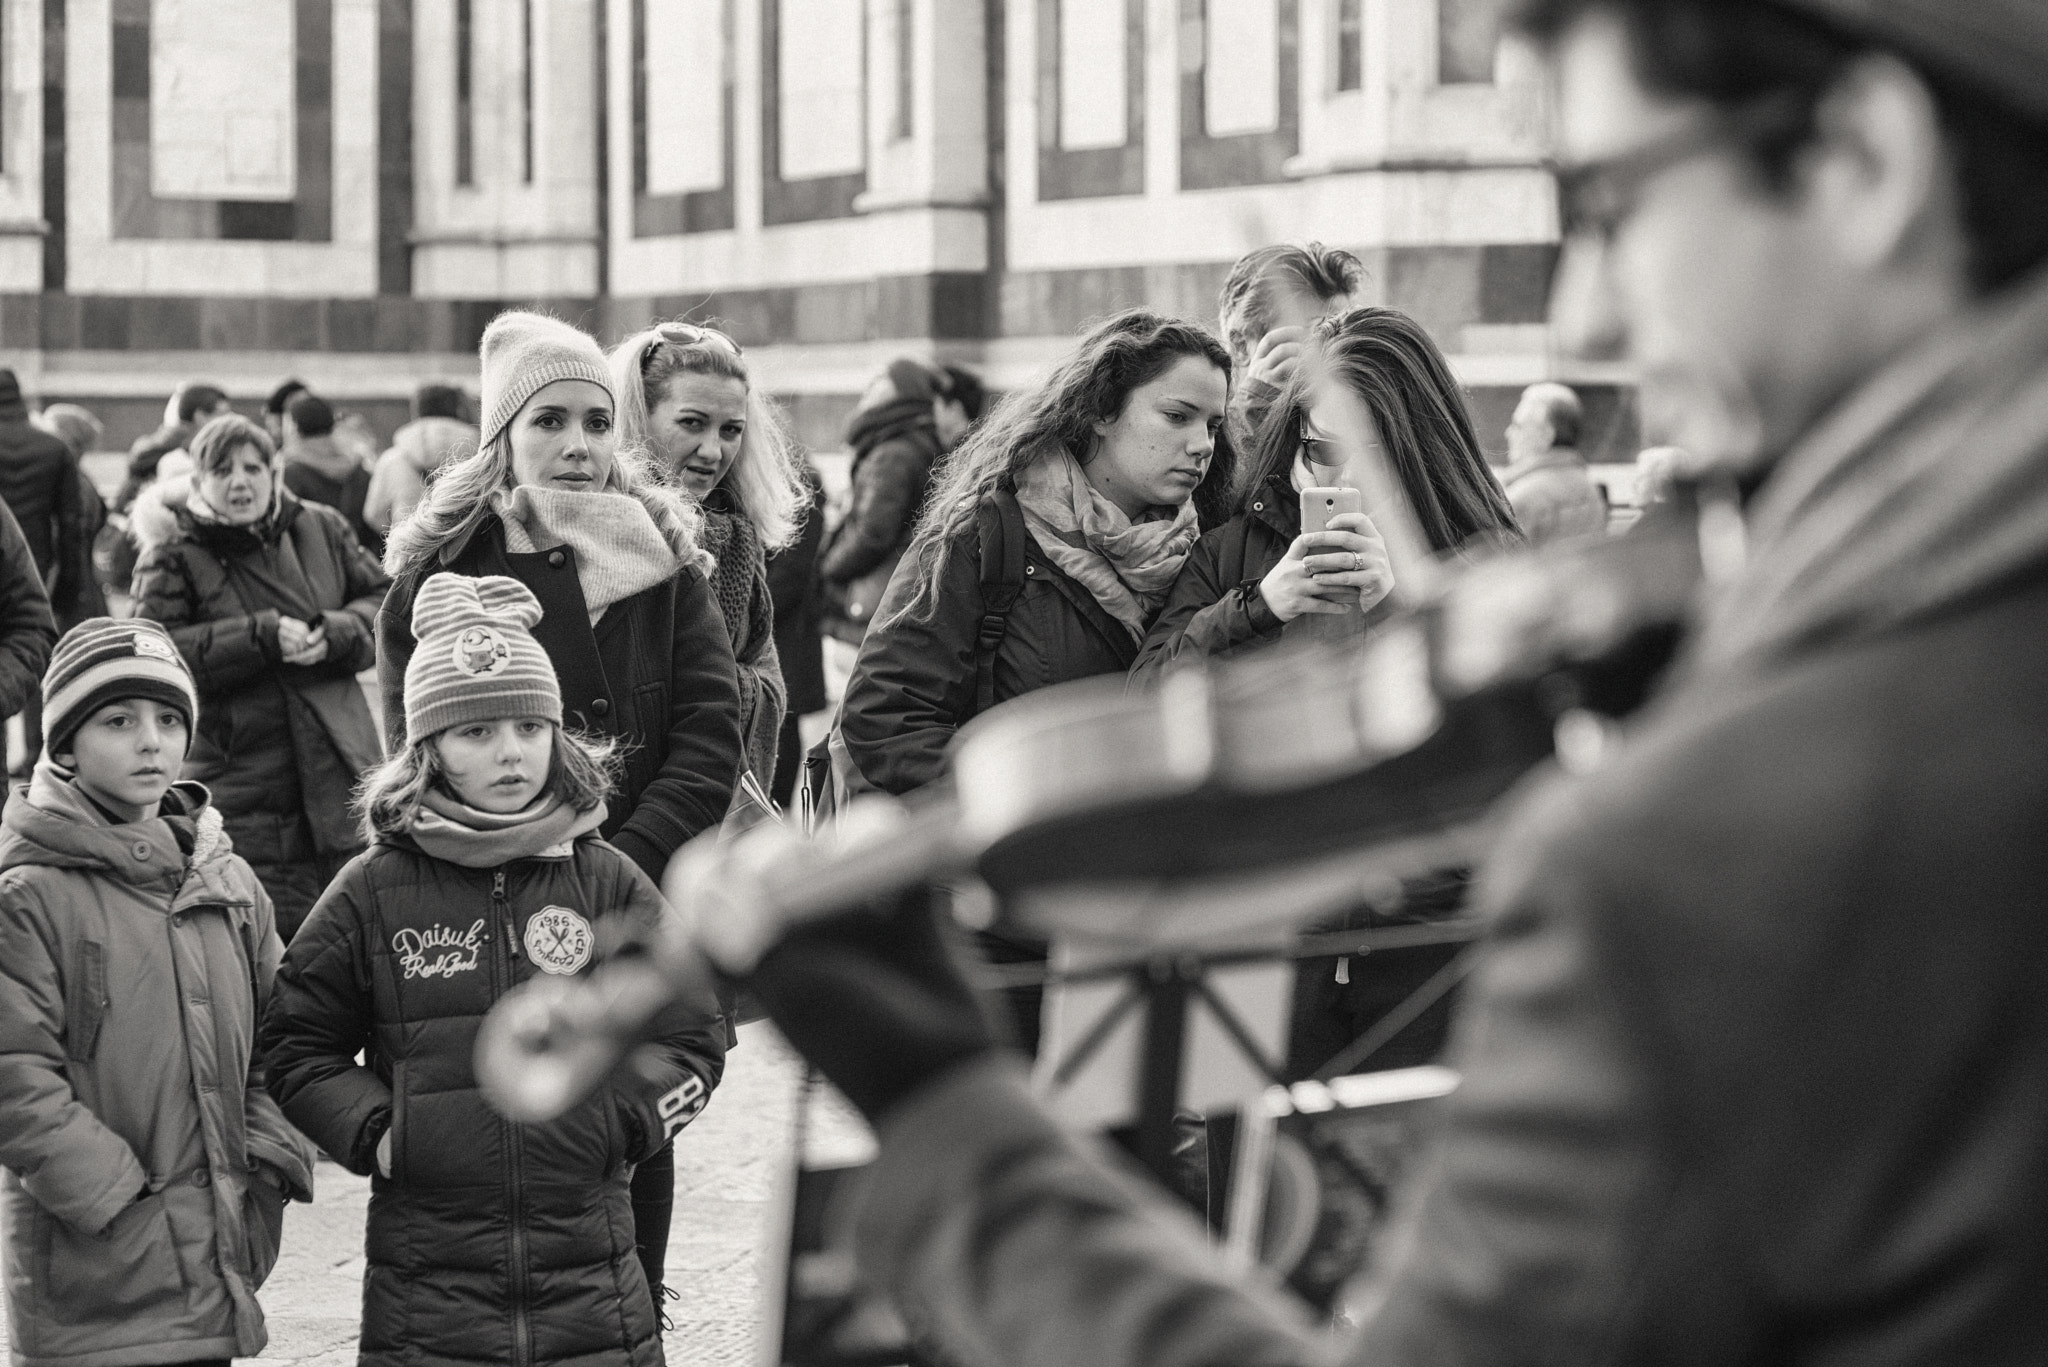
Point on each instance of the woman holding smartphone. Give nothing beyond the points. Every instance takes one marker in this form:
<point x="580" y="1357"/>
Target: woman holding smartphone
<point x="1378" y="388"/>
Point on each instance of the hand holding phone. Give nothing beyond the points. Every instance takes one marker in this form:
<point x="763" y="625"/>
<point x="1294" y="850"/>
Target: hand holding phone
<point x="1338" y="564"/>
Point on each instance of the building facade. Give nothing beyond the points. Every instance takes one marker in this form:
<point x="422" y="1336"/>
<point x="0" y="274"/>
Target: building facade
<point x="347" y="190"/>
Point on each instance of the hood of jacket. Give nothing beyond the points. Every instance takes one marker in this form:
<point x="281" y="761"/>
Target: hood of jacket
<point x="54" y="825"/>
<point x="427" y="444"/>
<point x="1925" y="489"/>
<point x="161" y="516"/>
<point x="322" y="454"/>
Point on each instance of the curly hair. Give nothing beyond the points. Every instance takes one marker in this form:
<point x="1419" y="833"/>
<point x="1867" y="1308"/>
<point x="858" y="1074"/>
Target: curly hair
<point x="582" y="773"/>
<point x="1116" y="356"/>
<point x="766" y="479"/>
<point x="1390" y="363"/>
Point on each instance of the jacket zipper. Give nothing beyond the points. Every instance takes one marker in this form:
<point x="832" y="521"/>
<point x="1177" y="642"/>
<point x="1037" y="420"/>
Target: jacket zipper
<point x="515" y="1150"/>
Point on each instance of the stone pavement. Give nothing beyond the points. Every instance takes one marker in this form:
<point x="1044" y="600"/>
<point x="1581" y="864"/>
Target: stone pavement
<point x="730" y="1167"/>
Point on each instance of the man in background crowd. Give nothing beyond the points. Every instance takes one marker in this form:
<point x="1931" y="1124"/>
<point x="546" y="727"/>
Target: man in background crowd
<point x="39" y="485"/>
<point x="1752" y="1058"/>
<point x="190" y="408"/>
<point x="320" y="469"/>
<point x="274" y="407"/>
<point x="1269" y="301"/>
<point x="437" y="434"/>
<point x="1545" y="478"/>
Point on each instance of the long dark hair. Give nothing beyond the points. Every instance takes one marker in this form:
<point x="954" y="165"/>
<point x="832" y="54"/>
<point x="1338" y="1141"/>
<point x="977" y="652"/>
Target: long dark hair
<point x="1393" y="366"/>
<point x="1115" y="356"/>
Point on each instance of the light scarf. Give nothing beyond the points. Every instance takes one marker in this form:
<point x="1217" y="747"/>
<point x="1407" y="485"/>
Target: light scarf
<point x="1126" y="566"/>
<point x="619" y="550"/>
<point x="451" y="830"/>
<point x="1928" y="485"/>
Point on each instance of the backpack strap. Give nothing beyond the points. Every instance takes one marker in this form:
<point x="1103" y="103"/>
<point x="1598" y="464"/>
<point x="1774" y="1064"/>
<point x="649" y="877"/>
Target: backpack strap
<point x="999" y="524"/>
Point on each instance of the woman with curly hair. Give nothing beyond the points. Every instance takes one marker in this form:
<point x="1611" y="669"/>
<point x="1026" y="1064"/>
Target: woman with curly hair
<point x="686" y="398"/>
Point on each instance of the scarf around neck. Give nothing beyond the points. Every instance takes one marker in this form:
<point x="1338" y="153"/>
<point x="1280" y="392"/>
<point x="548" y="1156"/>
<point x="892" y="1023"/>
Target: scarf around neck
<point x="619" y="550"/>
<point x="449" y="829"/>
<point x="1927" y="486"/>
<point x="1126" y="566"/>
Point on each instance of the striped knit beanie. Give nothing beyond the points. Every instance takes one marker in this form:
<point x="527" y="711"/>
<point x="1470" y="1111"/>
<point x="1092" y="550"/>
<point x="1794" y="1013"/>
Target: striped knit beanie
<point x="476" y="659"/>
<point x="102" y="660"/>
<point x="521" y="352"/>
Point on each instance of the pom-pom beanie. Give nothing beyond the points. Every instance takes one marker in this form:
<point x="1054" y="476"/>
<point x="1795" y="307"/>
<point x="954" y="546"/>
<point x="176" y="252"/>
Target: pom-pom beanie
<point x="102" y="660"/>
<point x="523" y="351"/>
<point x="476" y="659"/>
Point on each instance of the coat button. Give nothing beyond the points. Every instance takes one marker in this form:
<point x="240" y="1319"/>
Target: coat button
<point x="202" y="1178"/>
<point x="140" y="849"/>
<point x="602" y="707"/>
<point x="1258" y="507"/>
<point x="556" y="559"/>
<point x="1031" y="569"/>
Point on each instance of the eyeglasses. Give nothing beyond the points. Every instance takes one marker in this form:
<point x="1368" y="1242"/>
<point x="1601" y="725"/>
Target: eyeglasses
<point x="1596" y="198"/>
<point x="686" y="334"/>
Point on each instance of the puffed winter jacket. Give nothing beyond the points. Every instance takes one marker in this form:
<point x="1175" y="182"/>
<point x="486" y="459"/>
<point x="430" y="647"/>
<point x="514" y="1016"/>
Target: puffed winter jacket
<point x="656" y="671"/>
<point x="134" y="964"/>
<point x="490" y="1241"/>
<point x="915" y="680"/>
<point x="1214" y="606"/>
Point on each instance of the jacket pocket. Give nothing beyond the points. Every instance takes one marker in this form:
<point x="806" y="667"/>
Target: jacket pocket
<point x="262" y="1225"/>
<point x="127" y="1269"/>
<point x="87" y="1009"/>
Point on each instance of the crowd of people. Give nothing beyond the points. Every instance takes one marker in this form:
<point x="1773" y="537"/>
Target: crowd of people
<point x="1747" y="1065"/>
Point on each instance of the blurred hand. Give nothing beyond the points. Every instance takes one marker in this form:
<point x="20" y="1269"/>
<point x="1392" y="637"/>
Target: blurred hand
<point x="1274" y="359"/>
<point x="310" y="645"/>
<point x="384" y="1154"/>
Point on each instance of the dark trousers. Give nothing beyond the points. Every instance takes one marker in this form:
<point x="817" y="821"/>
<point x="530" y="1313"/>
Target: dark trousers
<point x="789" y="762"/>
<point x="654" y="1204"/>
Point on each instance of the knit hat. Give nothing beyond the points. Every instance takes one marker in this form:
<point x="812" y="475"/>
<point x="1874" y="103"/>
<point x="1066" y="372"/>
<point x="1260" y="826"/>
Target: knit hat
<point x="521" y="352"/>
<point x="476" y="659"/>
<point x="102" y="660"/>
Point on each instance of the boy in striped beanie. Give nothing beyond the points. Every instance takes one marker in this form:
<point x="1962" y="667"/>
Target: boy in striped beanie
<point x="130" y="669"/>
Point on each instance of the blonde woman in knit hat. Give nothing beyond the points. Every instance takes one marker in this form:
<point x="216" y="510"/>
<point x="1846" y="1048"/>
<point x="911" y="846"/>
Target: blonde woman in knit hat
<point x="610" y="551"/>
<point x="485" y="870"/>
<point x="685" y="396"/>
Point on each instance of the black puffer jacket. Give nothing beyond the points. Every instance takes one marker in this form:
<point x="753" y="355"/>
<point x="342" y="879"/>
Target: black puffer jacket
<point x="1214" y="606"/>
<point x="914" y="682"/>
<point x="490" y="1242"/>
<point x="656" y="671"/>
<point x="39" y="483"/>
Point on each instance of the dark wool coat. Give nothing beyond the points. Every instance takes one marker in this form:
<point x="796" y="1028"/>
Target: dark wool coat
<point x="490" y="1242"/>
<point x="280" y="745"/>
<point x="27" y="630"/>
<point x="656" y="671"/>
<point x="914" y="682"/>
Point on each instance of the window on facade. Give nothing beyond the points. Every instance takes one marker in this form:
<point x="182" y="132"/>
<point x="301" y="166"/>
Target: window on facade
<point x="465" y="79"/>
<point x="1467" y="33"/>
<point x="1350" y="45"/>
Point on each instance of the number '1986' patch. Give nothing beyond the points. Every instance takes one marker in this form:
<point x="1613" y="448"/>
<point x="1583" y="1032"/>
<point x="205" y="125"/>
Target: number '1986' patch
<point x="558" y="940"/>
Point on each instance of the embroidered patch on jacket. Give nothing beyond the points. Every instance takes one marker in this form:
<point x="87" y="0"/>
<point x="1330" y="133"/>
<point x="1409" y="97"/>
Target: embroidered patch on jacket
<point x="439" y="951"/>
<point x="153" y="645"/>
<point x="558" y="940"/>
<point x="481" y="651"/>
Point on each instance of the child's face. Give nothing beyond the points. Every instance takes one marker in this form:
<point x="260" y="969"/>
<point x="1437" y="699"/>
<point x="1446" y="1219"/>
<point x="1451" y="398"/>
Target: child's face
<point x="128" y="753"/>
<point x="497" y="766"/>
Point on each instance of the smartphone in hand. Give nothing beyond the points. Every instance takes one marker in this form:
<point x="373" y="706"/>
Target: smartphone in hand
<point x="1319" y="505"/>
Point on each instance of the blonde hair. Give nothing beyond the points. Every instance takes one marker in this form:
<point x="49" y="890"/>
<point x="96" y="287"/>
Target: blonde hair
<point x="582" y="773"/>
<point x="766" y="479"/>
<point x="459" y="497"/>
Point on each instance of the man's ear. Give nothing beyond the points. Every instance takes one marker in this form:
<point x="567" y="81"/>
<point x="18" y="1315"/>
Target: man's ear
<point x="1885" y="178"/>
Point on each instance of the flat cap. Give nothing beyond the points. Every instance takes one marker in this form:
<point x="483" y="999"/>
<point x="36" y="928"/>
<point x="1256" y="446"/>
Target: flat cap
<point x="1999" y="46"/>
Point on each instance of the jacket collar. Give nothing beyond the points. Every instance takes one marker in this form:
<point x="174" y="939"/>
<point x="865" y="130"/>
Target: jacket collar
<point x="1556" y="458"/>
<point x="1277" y="505"/>
<point x="53" y="825"/>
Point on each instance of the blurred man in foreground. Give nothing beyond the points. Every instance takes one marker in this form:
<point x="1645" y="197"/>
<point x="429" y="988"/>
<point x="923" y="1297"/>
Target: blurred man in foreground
<point x="1545" y="479"/>
<point x="1753" y="1065"/>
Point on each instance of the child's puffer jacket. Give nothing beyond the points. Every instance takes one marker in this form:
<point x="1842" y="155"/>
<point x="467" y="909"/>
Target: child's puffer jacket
<point x="131" y="979"/>
<point x="490" y="1242"/>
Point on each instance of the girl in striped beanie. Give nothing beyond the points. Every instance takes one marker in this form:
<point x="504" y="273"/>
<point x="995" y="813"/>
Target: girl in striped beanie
<point x="485" y="871"/>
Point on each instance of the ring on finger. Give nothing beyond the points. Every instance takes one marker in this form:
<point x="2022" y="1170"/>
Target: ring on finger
<point x="1358" y="562"/>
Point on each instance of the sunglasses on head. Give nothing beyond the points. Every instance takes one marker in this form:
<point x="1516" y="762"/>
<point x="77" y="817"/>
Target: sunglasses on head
<point x="687" y="334"/>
